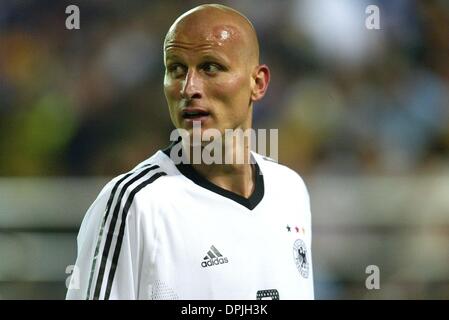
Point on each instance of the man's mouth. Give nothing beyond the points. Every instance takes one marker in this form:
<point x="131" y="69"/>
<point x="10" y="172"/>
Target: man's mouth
<point x="193" y="114"/>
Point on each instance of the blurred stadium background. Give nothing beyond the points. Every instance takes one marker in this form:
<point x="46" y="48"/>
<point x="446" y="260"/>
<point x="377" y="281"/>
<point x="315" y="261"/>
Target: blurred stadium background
<point x="362" y="116"/>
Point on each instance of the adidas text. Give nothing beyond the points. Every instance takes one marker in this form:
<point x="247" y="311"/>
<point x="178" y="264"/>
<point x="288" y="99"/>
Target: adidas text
<point x="213" y="262"/>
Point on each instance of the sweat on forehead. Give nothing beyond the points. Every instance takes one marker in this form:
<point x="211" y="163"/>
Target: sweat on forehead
<point x="213" y="23"/>
<point x="219" y="33"/>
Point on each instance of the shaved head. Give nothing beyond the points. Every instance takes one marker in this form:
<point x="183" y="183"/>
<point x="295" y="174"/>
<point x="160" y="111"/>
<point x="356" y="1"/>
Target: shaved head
<point x="218" y="24"/>
<point x="211" y="57"/>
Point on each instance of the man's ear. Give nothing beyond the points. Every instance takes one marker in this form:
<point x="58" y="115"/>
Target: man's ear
<point x="261" y="79"/>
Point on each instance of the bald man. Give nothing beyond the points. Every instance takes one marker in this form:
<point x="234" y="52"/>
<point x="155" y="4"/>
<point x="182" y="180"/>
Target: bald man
<point x="170" y="229"/>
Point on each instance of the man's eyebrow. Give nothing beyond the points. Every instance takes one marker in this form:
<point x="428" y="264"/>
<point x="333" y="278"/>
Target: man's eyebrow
<point x="216" y="58"/>
<point x="212" y="57"/>
<point x="172" y="56"/>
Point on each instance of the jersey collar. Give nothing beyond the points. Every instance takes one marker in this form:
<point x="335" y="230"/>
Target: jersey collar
<point x="251" y="202"/>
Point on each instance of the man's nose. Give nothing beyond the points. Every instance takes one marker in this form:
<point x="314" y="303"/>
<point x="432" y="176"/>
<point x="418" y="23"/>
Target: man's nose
<point x="192" y="87"/>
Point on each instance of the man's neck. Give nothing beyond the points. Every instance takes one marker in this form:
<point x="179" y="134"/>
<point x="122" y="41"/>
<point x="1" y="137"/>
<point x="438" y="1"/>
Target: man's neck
<point x="237" y="178"/>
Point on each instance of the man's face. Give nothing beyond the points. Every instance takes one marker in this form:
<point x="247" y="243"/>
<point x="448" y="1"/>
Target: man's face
<point x="207" y="77"/>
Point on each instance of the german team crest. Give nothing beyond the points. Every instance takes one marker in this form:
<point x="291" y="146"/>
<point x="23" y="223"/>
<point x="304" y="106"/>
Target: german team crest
<point x="301" y="257"/>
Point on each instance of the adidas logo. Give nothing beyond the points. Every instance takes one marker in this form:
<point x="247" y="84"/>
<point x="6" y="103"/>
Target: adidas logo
<point x="213" y="257"/>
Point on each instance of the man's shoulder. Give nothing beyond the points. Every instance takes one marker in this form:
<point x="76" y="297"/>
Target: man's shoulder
<point x="279" y="171"/>
<point x="273" y="165"/>
<point x="148" y="174"/>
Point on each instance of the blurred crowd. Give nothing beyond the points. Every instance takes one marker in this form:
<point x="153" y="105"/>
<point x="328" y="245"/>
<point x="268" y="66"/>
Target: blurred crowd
<point x="346" y="99"/>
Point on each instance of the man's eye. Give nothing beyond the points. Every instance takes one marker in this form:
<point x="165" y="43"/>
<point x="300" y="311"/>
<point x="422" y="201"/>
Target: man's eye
<point x="211" y="67"/>
<point x="176" y="70"/>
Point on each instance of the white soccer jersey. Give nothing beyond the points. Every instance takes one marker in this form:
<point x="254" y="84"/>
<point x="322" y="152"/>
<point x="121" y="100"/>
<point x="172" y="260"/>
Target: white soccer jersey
<point x="162" y="231"/>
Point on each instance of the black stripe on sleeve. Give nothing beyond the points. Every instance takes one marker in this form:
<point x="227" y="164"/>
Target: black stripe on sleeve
<point x="106" y="215"/>
<point x="111" y="229"/>
<point x="122" y="229"/>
